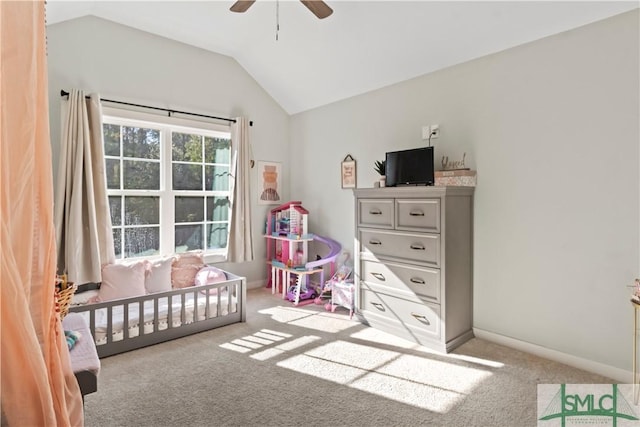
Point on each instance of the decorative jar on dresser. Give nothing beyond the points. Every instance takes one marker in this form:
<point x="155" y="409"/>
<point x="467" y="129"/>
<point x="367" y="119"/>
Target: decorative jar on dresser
<point x="414" y="263"/>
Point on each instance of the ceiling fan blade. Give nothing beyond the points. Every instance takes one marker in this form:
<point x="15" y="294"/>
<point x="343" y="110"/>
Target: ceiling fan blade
<point x="242" y="5"/>
<point x="318" y="8"/>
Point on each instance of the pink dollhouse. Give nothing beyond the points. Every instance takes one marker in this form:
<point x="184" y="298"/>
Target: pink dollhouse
<point x="288" y="238"/>
<point x="287" y="226"/>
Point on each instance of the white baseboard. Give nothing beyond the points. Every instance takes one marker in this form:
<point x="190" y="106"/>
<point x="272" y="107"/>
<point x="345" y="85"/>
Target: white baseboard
<point x="255" y="284"/>
<point x="616" y="374"/>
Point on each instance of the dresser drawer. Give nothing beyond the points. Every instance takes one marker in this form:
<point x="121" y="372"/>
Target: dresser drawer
<point x="375" y="213"/>
<point x="418" y="214"/>
<point x="403" y="280"/>
<point x="422" y="317"/>
<point x="422" y="248"/>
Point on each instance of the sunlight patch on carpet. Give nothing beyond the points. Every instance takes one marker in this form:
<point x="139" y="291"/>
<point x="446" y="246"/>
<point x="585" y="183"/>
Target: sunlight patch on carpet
<point x="419" y="381"/>
<point x="284" y="347"/>
<point x="255" y="341"/>
<point x="311" y="319"/>
<point x="234" y="347"/>
<point x="380" y="337"/>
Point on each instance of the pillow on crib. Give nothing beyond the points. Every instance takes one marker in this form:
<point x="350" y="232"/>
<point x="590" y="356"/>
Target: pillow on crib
<point x="184" y="269"/>
<point x="158" y="278"/>
<point x="209" y="275"/>
<point x="86" y="297"/>
<point x="122" y="281"/>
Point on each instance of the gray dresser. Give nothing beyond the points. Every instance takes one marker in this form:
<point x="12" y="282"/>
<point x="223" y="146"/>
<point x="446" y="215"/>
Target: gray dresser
<point x="414" y="263"/>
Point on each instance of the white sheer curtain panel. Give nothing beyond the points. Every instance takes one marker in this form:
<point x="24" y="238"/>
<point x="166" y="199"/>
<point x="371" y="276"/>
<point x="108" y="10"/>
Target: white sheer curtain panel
<point x="240" y="243"/>
<point x="83" y="222"/>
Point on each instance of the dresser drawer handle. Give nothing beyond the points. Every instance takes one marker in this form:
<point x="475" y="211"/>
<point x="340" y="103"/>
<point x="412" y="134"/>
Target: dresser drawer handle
<point x="378" y="306"/>
<point x="376" y="212"/>
<point x="379" y="276"/>
<point x="417" y="281"/>
<point x="375" y="242"/>
<point x="416" y="213"/>
<point x="417" y="247"/>
<point x="421" y="318"/>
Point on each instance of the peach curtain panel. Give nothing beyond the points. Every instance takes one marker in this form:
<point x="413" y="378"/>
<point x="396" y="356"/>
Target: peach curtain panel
<point x="37" y="385"/>
<point x="240" y="242"/>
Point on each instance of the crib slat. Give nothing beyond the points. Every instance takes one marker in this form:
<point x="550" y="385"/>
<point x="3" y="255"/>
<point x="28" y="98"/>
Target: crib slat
<point x="109" y="324"/>
<point x="125" y="322"/>
<point x="156" y="320"/>
<point x="183" y="314"/>
<point x="140" y="318"/>
<point x="195" y="306"/>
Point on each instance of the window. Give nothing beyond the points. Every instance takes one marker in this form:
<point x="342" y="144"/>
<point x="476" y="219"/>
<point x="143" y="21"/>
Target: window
<point x="168" y="182"/>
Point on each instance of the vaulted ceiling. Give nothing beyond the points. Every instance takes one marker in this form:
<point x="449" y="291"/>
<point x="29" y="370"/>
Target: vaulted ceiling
<point x="362" y="46"/>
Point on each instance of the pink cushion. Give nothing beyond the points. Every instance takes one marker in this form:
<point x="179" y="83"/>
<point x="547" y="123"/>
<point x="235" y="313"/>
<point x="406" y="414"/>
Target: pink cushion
<point x="158" y="275"/>
<point x="184" y="269"/>
<point x="208" y="276"/>
<point x="122" y="281"/>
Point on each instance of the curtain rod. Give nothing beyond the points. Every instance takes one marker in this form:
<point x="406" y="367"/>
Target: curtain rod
<point x="65" y="93"/>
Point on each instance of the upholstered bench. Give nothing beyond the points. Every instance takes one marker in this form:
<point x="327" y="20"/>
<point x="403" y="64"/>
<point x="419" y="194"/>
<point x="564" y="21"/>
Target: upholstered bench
<point x="84" y="356"/>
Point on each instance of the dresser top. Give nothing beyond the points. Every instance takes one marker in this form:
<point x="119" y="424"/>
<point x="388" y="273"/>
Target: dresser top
<point x="414" y="191"/>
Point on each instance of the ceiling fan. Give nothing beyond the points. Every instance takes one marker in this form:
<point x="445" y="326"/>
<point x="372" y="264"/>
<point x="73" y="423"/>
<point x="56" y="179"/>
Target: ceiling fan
<point x="317" y="7"/>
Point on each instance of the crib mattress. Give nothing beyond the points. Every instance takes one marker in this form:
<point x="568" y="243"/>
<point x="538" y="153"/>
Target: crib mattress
<point x="195" y="309"/>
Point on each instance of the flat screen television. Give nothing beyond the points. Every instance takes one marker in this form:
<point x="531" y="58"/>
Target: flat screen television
<point x="409" y="167"/>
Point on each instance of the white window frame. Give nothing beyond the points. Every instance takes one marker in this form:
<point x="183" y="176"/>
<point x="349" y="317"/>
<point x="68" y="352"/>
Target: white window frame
<point x="166" y="125"/>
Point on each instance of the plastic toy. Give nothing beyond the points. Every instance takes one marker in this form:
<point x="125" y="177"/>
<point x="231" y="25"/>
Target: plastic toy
<point x="305" y="294"/>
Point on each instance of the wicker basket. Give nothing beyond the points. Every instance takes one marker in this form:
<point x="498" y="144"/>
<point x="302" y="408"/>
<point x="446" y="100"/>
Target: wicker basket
<point x="63" y="295"/>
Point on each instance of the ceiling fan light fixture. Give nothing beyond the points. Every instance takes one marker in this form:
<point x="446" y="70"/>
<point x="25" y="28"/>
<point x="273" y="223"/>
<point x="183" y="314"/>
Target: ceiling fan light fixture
<point x="318" y="7"/>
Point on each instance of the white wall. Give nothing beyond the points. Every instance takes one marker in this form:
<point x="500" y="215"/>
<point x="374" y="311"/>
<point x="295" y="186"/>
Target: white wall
<point x="552" y="128"/>
<point x="129" y="65"/>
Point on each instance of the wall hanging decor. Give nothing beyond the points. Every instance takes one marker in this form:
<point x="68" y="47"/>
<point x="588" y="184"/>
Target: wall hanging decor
<point x="269" y="174"/>
<point x="348" y="172"/>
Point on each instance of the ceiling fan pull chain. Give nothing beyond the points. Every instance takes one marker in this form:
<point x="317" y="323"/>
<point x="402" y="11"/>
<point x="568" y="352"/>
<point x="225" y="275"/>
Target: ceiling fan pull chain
<point x="277" y="18"/>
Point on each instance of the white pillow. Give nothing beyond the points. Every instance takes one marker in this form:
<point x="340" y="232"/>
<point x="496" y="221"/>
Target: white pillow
<point x="122" y="281"/>
<point x="82" y="298"/>
<point x="158" y="275"/>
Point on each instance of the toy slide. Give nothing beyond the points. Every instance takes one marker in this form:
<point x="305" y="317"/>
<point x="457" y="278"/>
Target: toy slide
<point x="306" y="296"/>
<point x="334" y="252"/>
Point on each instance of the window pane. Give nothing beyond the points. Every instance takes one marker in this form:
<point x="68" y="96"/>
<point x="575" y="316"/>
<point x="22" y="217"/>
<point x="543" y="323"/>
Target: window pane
<point x="217" y="208"/>
<point x="188" y="237"/>
<point x="189" y="209"/>
<point x="111" y="140"/>
<point x="217" y="235"/>
<point x="141" y="210"/>
<point x="140" y="142"/>
<point x="112" y="169"/>
<point x="187" y="147"/>
<point x="115" y="206"/>
<point x="141" y="241"/>
<point x="217" y="150"/>
<point x="187" y="177"/>
<point x="117" y="241"/>
<point x="217" y="178"/>
<point x="140" y="175"/>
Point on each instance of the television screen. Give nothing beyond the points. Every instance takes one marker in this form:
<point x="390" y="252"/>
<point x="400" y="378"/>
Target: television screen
<point x="409" y="167"/>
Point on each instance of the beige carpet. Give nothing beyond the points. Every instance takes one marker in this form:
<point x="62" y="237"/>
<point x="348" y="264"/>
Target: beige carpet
<point x="304" y="366"/>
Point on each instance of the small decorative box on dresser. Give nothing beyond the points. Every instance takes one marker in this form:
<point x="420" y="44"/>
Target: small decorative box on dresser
<point x="414" y="263"/>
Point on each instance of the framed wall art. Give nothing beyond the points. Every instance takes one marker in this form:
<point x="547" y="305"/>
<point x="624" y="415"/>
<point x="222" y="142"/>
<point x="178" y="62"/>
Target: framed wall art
<point x="270" y="179"/>
<point x="348" y="172"/>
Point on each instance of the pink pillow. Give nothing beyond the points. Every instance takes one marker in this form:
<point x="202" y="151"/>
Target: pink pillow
<point x="184" y="269"/>
<point x="122" y="281"/>
<point x="158" y="275"/>
<point x="208" y="276"/>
